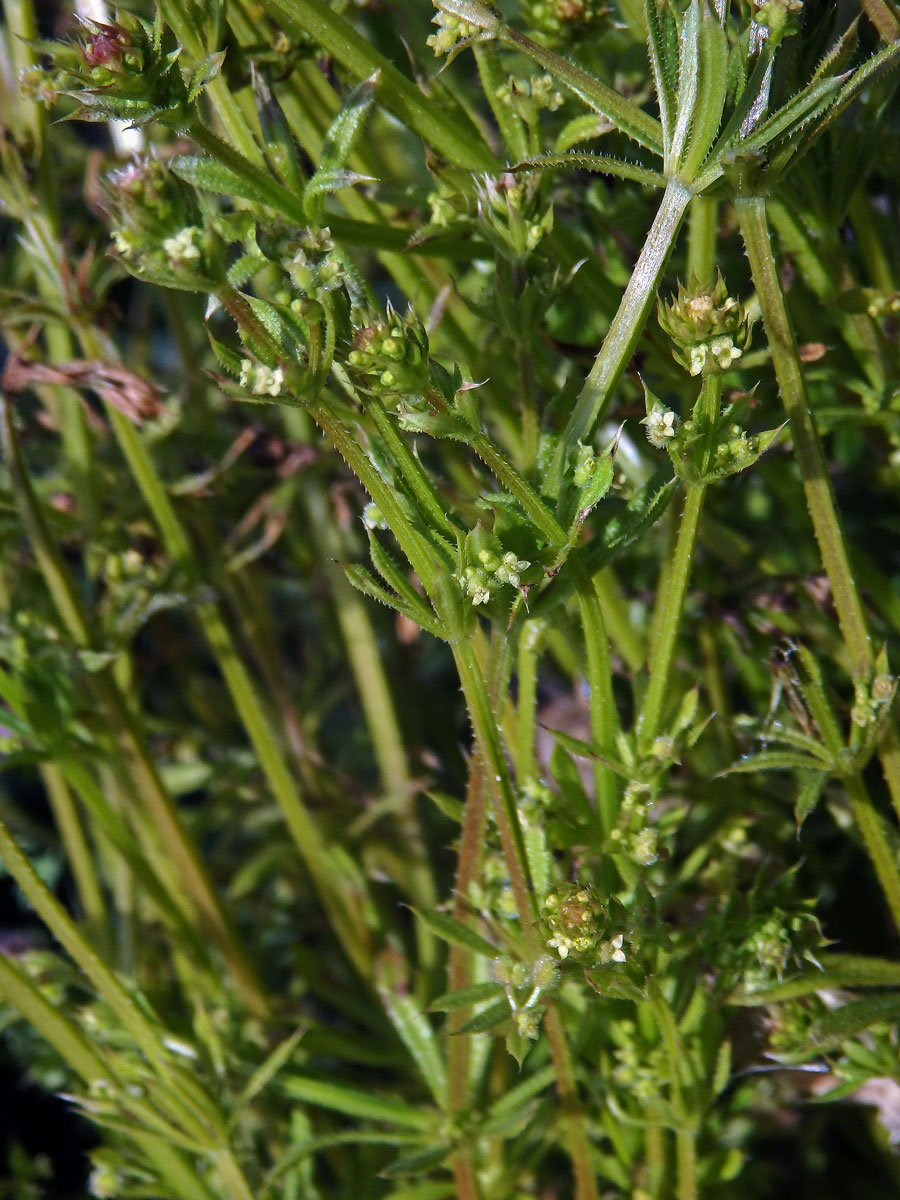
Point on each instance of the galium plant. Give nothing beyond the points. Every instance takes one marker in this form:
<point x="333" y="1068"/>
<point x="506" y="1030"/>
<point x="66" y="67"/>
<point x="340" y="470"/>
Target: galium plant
<point x="472" y="771"/>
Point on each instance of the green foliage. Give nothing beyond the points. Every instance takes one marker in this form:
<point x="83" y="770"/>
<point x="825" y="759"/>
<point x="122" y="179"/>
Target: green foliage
<point x="635" y="581"/>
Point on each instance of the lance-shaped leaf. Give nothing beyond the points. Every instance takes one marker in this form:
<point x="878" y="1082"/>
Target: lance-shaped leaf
<point x="355" y="1103"/>
<point x="448" y="929"/>
<point x="601" y="163"/>
<point x="845" y="1023"/>
<point x="340" y="141"/>
<point x="209" y="175"/>
<point x="660" y="31"/>
<point x="466" y="997"/>
<point x="418" y="1038"/>
<point x="837" y="971"/>
<point x="688" y="85"/>
<point x="494" y="1016"/>
<point x="418" y="614"/>
<point x="712" y="74"/>
<point x="772" y="760"/>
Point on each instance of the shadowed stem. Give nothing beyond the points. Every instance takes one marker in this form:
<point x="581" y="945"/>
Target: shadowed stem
<point x="823" y="512"/>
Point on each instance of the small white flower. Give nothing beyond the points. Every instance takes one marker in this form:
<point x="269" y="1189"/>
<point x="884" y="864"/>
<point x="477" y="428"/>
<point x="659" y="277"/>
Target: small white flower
<point x="725" y="352"/>
<point x="662" y="425"/>
<point x="698" y="358"/>
<point x="261" y="380"/>
<point x="183" y="246"/>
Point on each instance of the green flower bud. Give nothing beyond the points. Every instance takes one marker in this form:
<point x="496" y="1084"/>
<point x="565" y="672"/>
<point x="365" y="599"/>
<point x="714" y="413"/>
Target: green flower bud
<point x="709" y="328"/>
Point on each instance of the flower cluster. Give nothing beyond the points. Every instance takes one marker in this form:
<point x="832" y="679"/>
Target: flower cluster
<point x="260" y="379"/>
<point x="128" y="70"/>
<point x="661" y="424"/>
<point x="509" y="206"/>
<point x="481" y="582"/>
<point x="528" y="97"/>
<point x="155" y="225"/>
<point x="633" y="836"/>
<point x="562" y="20"/>
<point x="775" y="942"/>
<point x="452" y="32"/>
<point x="391" y="356"/>
<point x="869" y="700"/>
<point x="577" y="926"/>
<point x="709" y="328"/>
<point x="524" y="985"/>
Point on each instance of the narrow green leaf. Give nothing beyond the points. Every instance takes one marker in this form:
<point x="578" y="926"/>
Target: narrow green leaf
<point x="842" y="1024"/>
<point x="808" y="797"/>
<point x="363" y="582"/>
<point x="688" y="85"/>
<point x="839" y="971"/>
<point x="712" y="66"/>
<point x="449" y="805"/>
<point x="266" y="1072"/>
<point x="523" y="1093"/>
<point x="418" y="1038"/>
<point x="340" y="141"/>
<point x="327" y="1141"/>
<point x="585" y="750"/>
<point x="465" y="997"/>
<point x="491" y="1018"/>
<point x="722" y="1070"/>
<point x="395" y="579"/>
<point x="772" y="760"/>
<point x="448" y="929"/>
<point x="790" y="116"/>
<point x="581" y="129"/>
<point x="355" y="1103"/>
<point x="415" y="1164"/>
<point x="211" y="176"/>
<point x="666" y="86"/>
<point x="582" y="161"/>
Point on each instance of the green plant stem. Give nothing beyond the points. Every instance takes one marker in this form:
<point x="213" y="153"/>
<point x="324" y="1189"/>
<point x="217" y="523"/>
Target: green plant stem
<point x="702" y="233"/>
<point x="506" y="474"/>
<point x="422" y="487"/>
<point x="811" y="462"/>
<point x="655" y="1156"/>
<point x="182" y="18"/>
<point x="807" y="446"/>
<point x="820" y="501"/>
<point x="672" y="596"/>
<point x="526" y="717"/>
<point x="572" y="1115"/>
<point x="77" y="850"/>
<point x="379" y="711"/>
<point x="459" y="1045"/>
<point x="629" y="321"/>
<point x="487" y="739"/>
<point x="876" y="842"/>
<point x="232" y="1176"/>
<point x="490" y="750"/>
<point x="624" y="636"/>
<point x="871" y="244"/>
<point x="602" y="705"/>
<point x="75" y="944"/>
<point x="686" y="1159"/>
